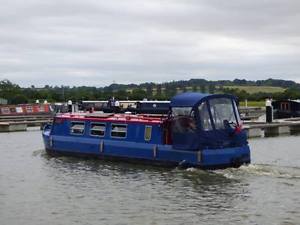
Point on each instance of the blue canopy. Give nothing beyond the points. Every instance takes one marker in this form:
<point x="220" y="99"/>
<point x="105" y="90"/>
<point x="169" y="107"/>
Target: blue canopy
<point x="199" y="138"/>
<point x="191" y="99"/>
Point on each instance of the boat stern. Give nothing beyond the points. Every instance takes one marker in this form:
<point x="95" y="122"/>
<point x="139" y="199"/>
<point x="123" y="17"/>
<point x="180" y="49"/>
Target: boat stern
<point x="225" y="157"/>
<point x="46" y="136"/>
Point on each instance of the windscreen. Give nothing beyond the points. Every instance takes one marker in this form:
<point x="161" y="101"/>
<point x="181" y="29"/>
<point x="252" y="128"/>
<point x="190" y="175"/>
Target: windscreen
<point x="204" y="117"/>
<point x="222" y="110"/>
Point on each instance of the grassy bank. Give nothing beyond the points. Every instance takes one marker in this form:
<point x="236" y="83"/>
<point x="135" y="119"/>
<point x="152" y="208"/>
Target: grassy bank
<point x="257" y="89"/>
<point x="253" y="103"/>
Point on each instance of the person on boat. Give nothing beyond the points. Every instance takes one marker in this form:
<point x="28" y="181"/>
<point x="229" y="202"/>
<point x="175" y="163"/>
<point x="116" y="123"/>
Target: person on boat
<point x="91" y="109"/>
<point x="110" y="102"/>
<point x="117" y="106"/>
<point x="117" y="103"/>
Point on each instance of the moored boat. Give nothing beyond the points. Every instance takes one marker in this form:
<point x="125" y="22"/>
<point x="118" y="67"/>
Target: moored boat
<point x="201" y="130"/>
<point x="24" y="109"/>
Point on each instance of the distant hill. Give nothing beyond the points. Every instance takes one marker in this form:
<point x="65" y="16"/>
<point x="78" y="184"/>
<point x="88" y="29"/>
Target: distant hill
<point x="243" y="89"/>
<point x="269" y="85"/>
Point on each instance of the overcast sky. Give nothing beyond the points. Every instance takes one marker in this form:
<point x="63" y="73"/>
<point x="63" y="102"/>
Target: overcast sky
<point x="97" y="42"/>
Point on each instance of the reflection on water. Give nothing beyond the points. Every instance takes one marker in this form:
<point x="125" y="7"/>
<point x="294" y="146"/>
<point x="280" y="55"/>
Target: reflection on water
<point x="38" y="189"/>
<point x="176" y="190"/>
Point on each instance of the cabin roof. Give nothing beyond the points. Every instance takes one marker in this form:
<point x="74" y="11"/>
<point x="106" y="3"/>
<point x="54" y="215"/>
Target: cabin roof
<point x="190" y="99"/>
<point x="153" y="101"/>
<point x="187" y="99"/>
<point x="113" y="118"/>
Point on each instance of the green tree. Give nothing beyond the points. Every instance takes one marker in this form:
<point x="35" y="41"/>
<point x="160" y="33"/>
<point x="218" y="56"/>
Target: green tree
<point x="19" y="99"/>
<point x="121" y="95"/>
<point x="211" y="88"/>
<point x="8" y="90"/>
<point x="195" y="88"/>
<point x="203" y="88"/>
<point x="138" y="94"/>
<point x="149" y="91"/>
<point x="158" y="92"/>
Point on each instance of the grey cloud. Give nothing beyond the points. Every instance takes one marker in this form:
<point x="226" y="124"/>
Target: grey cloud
<point x="96" y="42"/>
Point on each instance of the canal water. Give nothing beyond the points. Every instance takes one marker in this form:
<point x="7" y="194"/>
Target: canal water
<point x="36" y="189"/>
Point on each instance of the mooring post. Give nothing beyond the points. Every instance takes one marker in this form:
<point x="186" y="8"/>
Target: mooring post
<point x="269" y="111"/>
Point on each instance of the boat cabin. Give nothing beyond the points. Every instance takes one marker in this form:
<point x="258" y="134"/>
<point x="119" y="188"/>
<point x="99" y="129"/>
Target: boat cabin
<point x="136" y="107"/>
<point x="205" y="121"/>
<point x="286" y="108"/>
<point x="25" y="109"/>
<point x="195" y="121"/>
<point x="152" y="107"/>
<point x="109" y="126"/>
<point x="199" y="130"/>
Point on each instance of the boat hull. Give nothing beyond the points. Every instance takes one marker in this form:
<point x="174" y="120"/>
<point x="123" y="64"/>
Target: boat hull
<point x="163" y="155"/>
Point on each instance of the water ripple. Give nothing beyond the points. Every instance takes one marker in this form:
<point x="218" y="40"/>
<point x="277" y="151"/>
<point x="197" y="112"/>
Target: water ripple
<point x="38" y="189"/>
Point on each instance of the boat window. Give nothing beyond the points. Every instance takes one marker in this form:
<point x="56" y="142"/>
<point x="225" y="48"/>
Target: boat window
<point x="148" y="133"/>
<point x="285" y="106"/>
<point x="184" y="120"/>
<point x="184" y="124"/>
<point x="41" y="108"/>
<point x="13" y="110"/>
<point x="222" y="112"/>
<point x="29" y="109"/>
<point x="77" y="127"/>
<point x="204" y="117"/>
<point x="5" y="110"/>
<point x="98" y="129"/>
<point x="19" y="110"/>
<point x="118" y="130"/>
<point x="181" y="111"/>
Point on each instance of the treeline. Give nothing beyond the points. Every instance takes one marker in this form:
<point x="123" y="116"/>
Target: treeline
<point x="16" y="94"/>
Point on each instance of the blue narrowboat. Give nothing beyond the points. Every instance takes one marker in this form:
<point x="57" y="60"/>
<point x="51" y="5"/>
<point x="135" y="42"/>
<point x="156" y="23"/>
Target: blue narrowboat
<point x="201" y="130"/>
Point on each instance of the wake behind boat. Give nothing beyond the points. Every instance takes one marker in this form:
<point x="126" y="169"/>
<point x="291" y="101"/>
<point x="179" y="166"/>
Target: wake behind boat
<point x="201" y="130"/>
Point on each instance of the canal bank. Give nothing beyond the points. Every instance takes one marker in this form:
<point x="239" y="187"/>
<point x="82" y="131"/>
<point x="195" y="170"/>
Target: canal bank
<point x="277" y="127"/>
<point x="22" y="122"/>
